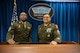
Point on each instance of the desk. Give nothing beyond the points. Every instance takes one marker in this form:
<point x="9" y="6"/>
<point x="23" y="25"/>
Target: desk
<point x="40" y="48"/>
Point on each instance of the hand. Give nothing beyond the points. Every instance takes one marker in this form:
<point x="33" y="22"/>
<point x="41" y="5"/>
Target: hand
<point x="11" y="41"/>
<point x="53" y="43"/>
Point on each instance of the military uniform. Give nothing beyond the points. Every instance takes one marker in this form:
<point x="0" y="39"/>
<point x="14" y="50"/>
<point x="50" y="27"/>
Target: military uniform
<point x="21" y="32"/>
<point x="48" y="33"/>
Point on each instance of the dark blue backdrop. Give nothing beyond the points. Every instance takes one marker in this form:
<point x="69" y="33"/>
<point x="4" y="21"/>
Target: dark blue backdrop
<point x="66" y="15"/>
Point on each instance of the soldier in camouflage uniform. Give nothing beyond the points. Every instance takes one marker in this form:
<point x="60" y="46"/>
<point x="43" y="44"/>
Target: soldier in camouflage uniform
<point x="20" y="31"/>
<point x="48" y="32"/>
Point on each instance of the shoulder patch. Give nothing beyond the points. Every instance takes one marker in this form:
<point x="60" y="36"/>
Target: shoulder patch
<point x="28" y="23"/>
<point x="29" y="27"/>
<point x="53" y="24"/>
<point x="40" y="25"/>
<point x="9" y="28"/>
<point x="56" y="26"/>
<point x="58" y="31"/>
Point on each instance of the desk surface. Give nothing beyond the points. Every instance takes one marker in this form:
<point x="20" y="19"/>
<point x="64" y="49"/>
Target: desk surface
<point x="40" y="48"/>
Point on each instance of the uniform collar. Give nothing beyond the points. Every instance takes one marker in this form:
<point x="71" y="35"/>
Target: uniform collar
<point x="21" y="22"/>
<point x="49" y="24"/>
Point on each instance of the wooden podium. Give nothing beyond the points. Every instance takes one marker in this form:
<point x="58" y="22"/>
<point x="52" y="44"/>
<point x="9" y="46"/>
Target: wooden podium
<point x="65" y="47"/>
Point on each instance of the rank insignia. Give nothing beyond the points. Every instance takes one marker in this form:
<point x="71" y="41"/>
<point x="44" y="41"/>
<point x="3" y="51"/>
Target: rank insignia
<point x="49" y="30"/>
<point x="19" y="26"/>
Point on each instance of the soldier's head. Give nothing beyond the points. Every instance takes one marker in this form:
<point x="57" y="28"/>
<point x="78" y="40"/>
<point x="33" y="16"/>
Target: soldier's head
<point x="46" y="18"/>
<point x="23" y="16"/>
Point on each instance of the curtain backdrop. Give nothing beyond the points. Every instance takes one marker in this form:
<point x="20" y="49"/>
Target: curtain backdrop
<point x="66" y="16"/>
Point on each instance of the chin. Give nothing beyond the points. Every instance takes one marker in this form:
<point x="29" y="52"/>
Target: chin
<point x="45" y="22"/>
